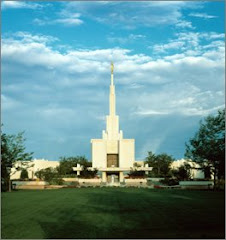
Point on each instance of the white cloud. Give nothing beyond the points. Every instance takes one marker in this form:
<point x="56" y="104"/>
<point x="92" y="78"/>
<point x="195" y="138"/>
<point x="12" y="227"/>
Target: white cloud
<point x="184" y="24"/>
<point x="132" y="14"/>
<point x="214" y="35"/>
<point x="135" y="85"/>
<point x="181" y="98"/>
<point x="202" y="15"/>
<point x="202" y="112"/>
<point x="136" y="36"/>
<point x="26" y="37"/>
<point x="150" y="112"/>
<point x="33" y="50"/>
<point x="161" y="48"/>
<point x="9" y="103"/>
<point x="125" y="40"/>
<point x="20" y="4"/>
<point x="43" y="86"/>
<point x="189" y="43"/>
<point x="71" y="21"/>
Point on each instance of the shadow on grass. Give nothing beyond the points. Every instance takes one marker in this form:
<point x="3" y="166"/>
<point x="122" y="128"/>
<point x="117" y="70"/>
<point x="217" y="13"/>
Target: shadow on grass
<point x="79" y="228"/>
<point x="68" y="229"/>
<point x="131" y="215"/>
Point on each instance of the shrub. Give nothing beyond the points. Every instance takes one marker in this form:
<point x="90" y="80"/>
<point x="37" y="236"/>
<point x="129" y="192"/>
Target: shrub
<point x="50" y="175"/>
<point x="134" y="174"/>
<point x="56" y="181"/>
<point x="169" y="181"/>
<point x="88" y="174"/>
<point x="72" y="184"/>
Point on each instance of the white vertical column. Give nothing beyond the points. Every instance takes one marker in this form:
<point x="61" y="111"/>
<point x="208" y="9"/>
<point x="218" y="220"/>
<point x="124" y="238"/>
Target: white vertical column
<point x="104" y="177"/>
<point x="112" y="97"/>
<point x="121" y="177"/>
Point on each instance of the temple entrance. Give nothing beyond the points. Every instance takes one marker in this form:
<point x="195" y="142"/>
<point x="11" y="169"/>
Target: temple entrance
<point x="112" y="178"/>
<point x="112" y="160"/>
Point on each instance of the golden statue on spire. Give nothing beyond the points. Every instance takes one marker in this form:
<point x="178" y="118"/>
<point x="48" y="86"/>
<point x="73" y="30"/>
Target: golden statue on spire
<point x="112" y="67"/>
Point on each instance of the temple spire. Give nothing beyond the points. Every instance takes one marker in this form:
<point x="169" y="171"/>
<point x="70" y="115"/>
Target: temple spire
<point x="112" y="93"/>
<point x="112" y="72"/>
<point x="112" y="67"/>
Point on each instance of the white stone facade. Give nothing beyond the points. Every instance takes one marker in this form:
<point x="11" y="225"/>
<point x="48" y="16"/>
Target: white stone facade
<point x="196" y="172"/>
<point x="112" y="153"/>
<point x="32" y="167"/>
<point x="112" y="141"/>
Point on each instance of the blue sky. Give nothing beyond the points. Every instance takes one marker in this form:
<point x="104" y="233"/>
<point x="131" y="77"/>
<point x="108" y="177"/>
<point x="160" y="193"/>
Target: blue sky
<point x="169" y="72"/>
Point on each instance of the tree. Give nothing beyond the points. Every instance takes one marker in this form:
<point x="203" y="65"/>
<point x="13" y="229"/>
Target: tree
<point x="24" y="174"/>
<point x="67" y="163"/>
<point x="49" y="175"/>
<point x="12" y="151"/>
<point x="183" y="172"/>
<point x="207" y="147"/>
<point x="160" y="163"/>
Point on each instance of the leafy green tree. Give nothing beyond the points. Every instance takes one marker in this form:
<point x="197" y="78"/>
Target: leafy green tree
<point x="207" y="147"/>
<point x="12" y="151"/>
<point x="160" y="163"/>
<point x="46" y="174"/>
<point x="49" y="175"/>
<point x="24" y="174"/>
<point x="67" y="163"/>
<point x="87" y="173"/>
<point x="39" y="174"/>
<point x="183" y="172"/>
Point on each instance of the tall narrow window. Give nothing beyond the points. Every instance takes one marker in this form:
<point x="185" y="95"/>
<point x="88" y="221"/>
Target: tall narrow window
<point x="112" y="160"/>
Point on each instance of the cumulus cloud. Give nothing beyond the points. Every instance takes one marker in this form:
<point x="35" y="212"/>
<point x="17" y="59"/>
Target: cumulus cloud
<point x="190" y="43"/>
<point x="73" y="20"/>
<point x="161" y="48"/>
<point x="26" y="37"/>
<point x="202" y="15"/>
<point x="19" y="4"/>
<point x="125" y="40"/>
<point x="66" y="93"/>
<point x="132" y="14"/>
<point x="184" y="24"/>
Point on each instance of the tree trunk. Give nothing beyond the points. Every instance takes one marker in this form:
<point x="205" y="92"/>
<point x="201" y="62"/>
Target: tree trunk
<point x="10" y="185"/>
<point x="214" y="176"/>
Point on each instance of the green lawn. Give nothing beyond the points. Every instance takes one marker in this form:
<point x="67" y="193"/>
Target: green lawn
<point x="112" y="213"/>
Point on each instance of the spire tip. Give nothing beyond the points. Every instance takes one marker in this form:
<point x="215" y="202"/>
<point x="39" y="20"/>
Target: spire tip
<point x="112" y="67"/>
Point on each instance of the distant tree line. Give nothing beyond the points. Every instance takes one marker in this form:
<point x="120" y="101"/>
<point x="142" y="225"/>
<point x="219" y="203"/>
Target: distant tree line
<point x="207" y="148"/>
<point x="64" y="170"/>
<point x="161" y="168"/>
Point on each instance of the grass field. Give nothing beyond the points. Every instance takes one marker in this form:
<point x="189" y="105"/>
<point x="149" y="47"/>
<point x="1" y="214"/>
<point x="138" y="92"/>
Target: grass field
<point x="112" y="213"/>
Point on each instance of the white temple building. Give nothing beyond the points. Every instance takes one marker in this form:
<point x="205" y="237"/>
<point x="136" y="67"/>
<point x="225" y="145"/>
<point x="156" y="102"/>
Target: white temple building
<point x="112" y="155"/>
<point x="196" y="171"/>
<point x="32" y="167"/>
